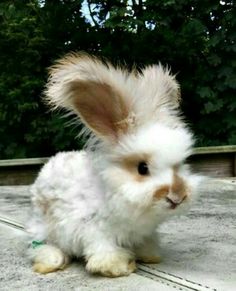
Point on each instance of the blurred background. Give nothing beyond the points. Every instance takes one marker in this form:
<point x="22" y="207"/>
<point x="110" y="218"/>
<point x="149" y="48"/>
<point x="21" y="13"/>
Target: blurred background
<point x="196" y="38"/>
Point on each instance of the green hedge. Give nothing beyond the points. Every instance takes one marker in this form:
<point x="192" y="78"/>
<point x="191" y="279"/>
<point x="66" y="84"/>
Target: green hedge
<point x="196" y="38"/>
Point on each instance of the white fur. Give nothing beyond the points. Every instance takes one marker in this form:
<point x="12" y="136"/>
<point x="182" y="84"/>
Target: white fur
<point x="86" y="203"/>
<point x="48" y="258"/>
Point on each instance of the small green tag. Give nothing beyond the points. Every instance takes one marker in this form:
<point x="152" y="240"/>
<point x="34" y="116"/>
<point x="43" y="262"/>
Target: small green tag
<point x="37" y="243"/>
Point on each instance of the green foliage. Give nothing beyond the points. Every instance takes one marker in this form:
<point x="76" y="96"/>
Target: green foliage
<point x="196" y="38"/>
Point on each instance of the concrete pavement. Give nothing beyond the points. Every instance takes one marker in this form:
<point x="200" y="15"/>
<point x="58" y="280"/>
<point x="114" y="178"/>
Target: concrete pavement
<point x="198" y="249"/>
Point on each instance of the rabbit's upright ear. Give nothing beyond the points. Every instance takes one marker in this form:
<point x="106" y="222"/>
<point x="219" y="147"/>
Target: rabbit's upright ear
<point x="158" y="95"/>
<point x="161" y="85"/>
<point x="94" y="90"/>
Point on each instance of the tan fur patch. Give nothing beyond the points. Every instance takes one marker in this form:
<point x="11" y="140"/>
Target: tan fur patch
<point x="112" y="265"/>
<point x="133" y="160"/>
<point x="101" y="107"/>
<point x="179" y="187"/>
<point x="44" y="269"/>
<point x="130" y="163"/>
<point x="131" y="267"/>
<point x="162" y="192"/>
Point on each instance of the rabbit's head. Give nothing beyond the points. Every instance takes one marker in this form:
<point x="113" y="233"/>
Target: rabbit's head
<point x="133" y="118"/>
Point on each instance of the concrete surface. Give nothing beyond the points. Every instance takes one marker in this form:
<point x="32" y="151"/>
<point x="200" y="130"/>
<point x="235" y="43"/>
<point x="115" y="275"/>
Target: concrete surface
<point x="198" y="249"/>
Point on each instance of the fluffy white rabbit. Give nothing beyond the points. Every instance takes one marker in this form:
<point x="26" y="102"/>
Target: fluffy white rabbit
<point x="105" y="203"/>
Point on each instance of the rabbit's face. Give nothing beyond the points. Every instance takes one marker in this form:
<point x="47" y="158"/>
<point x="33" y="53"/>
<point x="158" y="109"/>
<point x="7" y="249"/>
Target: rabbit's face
<point x="147" y="168"/>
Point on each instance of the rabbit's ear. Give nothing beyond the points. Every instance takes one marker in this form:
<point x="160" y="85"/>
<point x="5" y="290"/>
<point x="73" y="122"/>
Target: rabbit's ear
<point x="157" y="96"/>
<point x="93" y="90"/>
<point x="100" y="106"/>
<point x="161" y="84"/>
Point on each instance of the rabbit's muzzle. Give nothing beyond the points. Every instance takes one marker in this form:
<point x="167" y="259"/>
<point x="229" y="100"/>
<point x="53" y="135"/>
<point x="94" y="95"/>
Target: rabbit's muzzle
<point x="174" y="194"/>
<point x="174" y="203"/>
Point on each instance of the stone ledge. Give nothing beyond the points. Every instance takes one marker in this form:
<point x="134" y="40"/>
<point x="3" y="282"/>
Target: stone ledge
<point x="217" y="161"/>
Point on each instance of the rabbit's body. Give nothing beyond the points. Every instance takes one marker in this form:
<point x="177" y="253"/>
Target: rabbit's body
<point x="105" y="204"/>
<point x="69" y="199"/>
<point x="66" y="196"/>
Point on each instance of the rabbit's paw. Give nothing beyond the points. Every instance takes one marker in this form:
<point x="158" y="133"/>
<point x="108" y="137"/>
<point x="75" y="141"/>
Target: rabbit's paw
<point x="111" y="264"/>
<point x="49" y="259"/>
<point x="149" y="259"/>
<point x="148" y="252"/>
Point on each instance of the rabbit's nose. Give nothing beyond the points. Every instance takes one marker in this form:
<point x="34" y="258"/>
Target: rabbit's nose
<point x="173" y="205"/>
<point x="178" y="191"/>
<point x="174" y="200"/>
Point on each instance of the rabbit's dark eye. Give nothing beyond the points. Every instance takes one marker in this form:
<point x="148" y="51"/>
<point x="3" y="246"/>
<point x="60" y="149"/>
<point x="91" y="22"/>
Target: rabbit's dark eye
<point x="143" y="168"/>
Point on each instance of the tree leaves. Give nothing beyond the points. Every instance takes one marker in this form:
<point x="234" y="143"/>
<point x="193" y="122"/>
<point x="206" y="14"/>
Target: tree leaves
<point x="196" y="38"/>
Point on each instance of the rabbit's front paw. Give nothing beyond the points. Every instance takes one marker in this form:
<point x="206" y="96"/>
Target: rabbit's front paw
<point x="149" y="259"/>
<point x="148" y="252"/>
<point x="49" y="259"/>
<point x="111" y="264"/>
